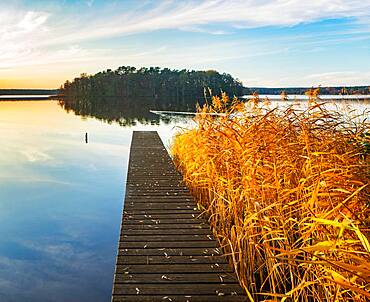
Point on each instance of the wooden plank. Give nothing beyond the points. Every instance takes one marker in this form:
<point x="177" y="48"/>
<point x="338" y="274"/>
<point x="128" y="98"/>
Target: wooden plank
<point x="169" y="198"/>
<point x="167" y="259"/>
<point x="168" y="238"/>
<point x="172" y="268"/>
<point x="144" y="189"/>
<point x="167" y="244"/>
<point x="167" y="232"/>
<point x="152" y="192"/>
<point x="131" y="206"/>
<point x="177" y="298"/>
<point x="192" y="212"/>
<point x="156" y="177"/>
<point x="147" y="183"/>
<point x="159" y="216"/>
<point x="159" y="195"/>
<point x="166" y="250"/>
<point x="178" y="278"/>
<point x="170" y="251"/>
<point x="171" y="226"/>
<point x="141" y="220"/>
<point x="171" y="289"/>
<point x="175" y="188"/>
<point x="161" y="174"/>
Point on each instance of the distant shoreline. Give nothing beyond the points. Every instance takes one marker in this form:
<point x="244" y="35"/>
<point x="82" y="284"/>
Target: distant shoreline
<point x="302" y="97"/>
<point x="27" y="97"/>
<point x="28" y="91"/>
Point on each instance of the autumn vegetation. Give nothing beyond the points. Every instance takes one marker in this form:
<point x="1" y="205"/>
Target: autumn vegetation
<point x="287" y="194"/>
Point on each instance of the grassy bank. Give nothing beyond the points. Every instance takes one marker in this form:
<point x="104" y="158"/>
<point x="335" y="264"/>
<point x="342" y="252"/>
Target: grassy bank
<point x="287" y="195"/>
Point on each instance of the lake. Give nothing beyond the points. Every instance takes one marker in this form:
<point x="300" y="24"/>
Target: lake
<point x="61" y="201"/>
<point x="61" y="198"/>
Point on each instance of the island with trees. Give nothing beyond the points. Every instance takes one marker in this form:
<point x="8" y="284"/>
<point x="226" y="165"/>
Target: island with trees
<point x="167" y="88"/>
<point x="127" y="94"/>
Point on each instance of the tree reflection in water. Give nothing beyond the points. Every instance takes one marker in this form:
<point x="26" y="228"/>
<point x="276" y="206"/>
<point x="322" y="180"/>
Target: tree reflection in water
<point x="121" y="110"/>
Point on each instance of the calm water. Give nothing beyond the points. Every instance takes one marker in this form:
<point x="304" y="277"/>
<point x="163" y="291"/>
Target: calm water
<point x="60" y="201"/>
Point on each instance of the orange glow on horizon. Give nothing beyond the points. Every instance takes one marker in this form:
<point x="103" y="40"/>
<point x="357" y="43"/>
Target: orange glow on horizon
<point x="31" y="83"/>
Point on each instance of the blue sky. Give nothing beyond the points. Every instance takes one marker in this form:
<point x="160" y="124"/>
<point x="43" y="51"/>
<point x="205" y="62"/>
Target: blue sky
<point x="261" y="42"/>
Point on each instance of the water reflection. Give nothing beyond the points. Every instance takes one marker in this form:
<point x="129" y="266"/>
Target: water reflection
<point x="123" y="110"/>
<point x="154" y="111"/>
<point x="351" y="111"/>
<point x="61" y="199"/>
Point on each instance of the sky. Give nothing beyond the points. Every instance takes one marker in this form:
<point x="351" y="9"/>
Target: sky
<point x="281" y="43"/>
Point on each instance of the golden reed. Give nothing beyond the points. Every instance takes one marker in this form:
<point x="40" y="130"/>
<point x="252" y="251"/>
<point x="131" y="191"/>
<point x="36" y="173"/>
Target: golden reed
<point x="287" y="194"/>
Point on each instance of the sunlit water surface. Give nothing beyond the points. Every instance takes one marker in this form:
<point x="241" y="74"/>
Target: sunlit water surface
<point x="355" y="110"/>
<point x="60" y="201"/>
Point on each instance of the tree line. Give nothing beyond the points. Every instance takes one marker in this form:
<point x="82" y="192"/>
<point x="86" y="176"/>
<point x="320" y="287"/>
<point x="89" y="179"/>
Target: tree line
<point x="169" y="88"/>
<point x="29" y="91"/>
<point x="349" y="90"/>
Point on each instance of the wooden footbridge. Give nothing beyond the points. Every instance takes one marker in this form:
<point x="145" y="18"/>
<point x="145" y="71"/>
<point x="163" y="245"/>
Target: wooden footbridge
<point x="166" y="250"/>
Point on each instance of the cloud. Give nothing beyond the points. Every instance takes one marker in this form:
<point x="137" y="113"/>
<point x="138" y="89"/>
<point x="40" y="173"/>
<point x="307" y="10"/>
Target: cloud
<point x="15" y="24"/>
<point x="34" y="155"/>
<point x="89" y="3"/>
<point x="32" y="20"/>
<point x="196" y="29"/>
<point x="19" y="34"/>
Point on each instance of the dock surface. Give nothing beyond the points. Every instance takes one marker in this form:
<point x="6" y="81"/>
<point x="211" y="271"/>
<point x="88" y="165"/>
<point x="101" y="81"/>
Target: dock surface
<point x="166" y="250"/>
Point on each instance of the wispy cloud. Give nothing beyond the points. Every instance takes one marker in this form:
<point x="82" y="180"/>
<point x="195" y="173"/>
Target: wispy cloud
<point x="34" y="155"/>
<point x="89" y="3"/>
<point x="204" y="30"/>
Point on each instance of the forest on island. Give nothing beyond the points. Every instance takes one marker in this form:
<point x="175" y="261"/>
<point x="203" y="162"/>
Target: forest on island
<point x="168" y="88"/>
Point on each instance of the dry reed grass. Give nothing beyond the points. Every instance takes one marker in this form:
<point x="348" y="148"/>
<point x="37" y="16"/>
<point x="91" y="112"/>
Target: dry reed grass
<point x="287" y="195"/>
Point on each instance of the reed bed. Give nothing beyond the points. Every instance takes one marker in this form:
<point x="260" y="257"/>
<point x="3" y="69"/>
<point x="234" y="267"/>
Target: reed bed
<point x="287" y="195"/>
